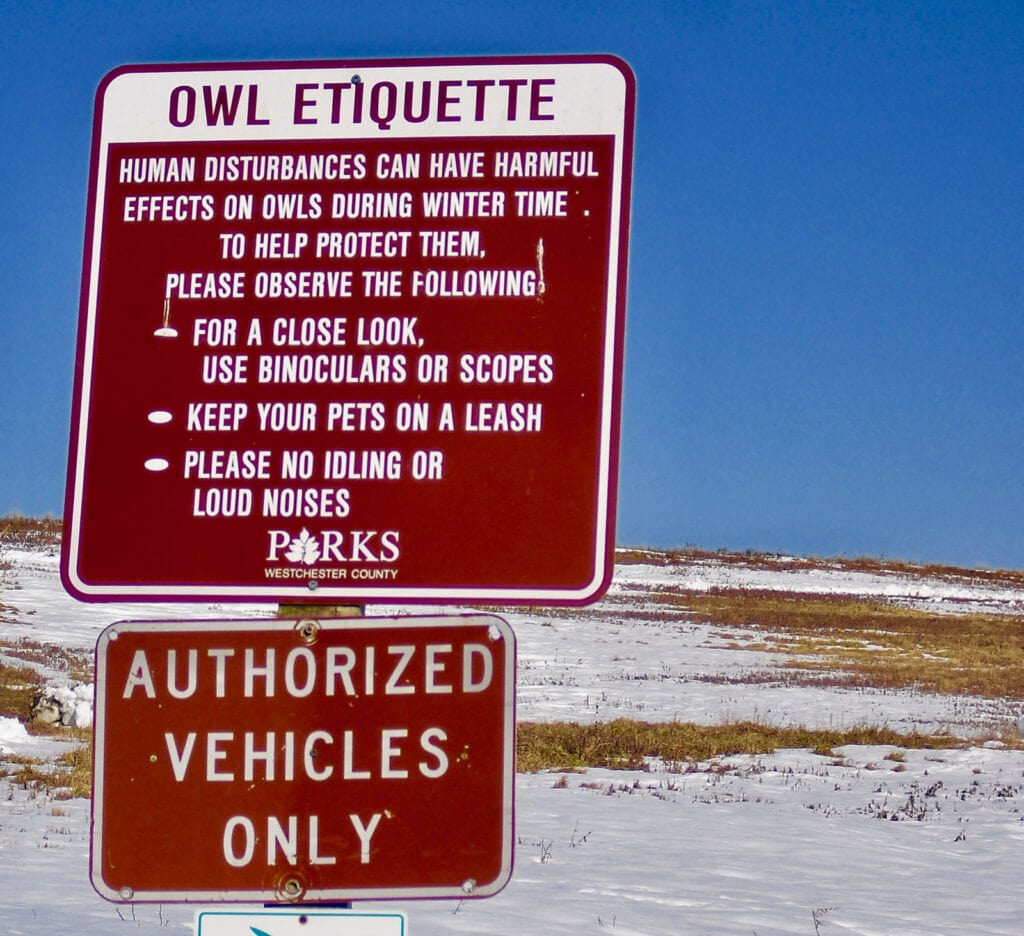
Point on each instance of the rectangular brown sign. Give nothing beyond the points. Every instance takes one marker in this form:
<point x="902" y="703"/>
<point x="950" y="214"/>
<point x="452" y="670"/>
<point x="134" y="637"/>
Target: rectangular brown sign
<point x="307" y="761"/>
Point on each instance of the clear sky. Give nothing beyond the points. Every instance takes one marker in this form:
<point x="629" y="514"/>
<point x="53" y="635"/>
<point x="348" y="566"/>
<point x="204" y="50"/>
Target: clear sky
<point x="824" y="332"/>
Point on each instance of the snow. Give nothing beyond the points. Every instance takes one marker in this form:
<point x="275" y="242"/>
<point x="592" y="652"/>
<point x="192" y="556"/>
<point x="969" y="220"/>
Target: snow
<point x="863" y="840"/>
<point x="11" y="731"/>
<point x="70" y="705"/>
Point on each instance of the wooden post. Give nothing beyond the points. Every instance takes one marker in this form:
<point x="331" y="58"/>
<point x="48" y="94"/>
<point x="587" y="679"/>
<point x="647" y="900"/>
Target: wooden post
<point x="302" y="611"/>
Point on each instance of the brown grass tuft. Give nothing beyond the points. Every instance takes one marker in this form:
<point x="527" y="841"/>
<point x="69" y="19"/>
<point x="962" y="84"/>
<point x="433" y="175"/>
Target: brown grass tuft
<point x="16" y="530"/>
<point x="18" y="685"/>
<point x="783" y="563"/>
<point x="625" y="744"/>
<point x="862" y="642"/>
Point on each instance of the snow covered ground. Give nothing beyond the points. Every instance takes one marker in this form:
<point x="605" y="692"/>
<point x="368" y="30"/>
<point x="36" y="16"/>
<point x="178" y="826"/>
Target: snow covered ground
<point x="789" y="843"/>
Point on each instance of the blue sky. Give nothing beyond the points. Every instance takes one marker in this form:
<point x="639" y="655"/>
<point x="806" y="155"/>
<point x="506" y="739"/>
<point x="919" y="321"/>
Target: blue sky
<point x="824" y="327"/>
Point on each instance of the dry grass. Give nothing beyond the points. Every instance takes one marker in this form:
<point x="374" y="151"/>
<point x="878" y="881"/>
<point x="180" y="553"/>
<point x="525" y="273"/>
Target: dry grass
<point x="74" y="769"/>
<point x="16" y="530"/>
<point x="868" y="643"/>
<point x="24" y="532"/>
<point x="625" y="744"/>
<point x="18" y="685"/>
<point x="77" y="664"/>
<point x="781" y="563"/>
<point x="68" y="777"/>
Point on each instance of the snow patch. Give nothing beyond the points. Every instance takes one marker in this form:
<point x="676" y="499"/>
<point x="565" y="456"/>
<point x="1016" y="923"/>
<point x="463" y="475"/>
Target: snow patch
<point x="69" y="705"/>
<point x="11" y="730"/>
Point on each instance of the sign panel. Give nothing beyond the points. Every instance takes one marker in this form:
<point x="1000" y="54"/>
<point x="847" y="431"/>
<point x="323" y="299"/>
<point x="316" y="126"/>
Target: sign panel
<point x="337" y="316"/>
<point x="307" y="922"/>
<point x="304" y="761"/>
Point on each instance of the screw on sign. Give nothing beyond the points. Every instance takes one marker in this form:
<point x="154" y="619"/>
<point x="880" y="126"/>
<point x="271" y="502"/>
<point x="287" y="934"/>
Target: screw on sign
<point x="304" y="761"/>
<point x="337" y="315"/>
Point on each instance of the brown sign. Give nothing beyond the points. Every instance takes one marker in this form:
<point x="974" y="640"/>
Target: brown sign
<point x="306" y="761"/>
<point x="352" y="331"/>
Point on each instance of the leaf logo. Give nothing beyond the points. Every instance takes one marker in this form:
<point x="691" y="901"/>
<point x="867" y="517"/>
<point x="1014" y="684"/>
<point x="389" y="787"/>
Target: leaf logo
<point x="304" y="548"/>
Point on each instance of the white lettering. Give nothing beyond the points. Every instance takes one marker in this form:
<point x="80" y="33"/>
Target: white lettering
<point x="180" y="759"/>
<point x="139" y="675"/>
<point x="233" y="858"/>
<point x="393" y="688"/>
<point x="365" y="833"/>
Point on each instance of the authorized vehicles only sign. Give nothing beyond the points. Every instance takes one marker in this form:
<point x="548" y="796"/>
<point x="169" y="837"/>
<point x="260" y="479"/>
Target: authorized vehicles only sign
<point x="352" y="331"/>
<point x="304" y="760"/>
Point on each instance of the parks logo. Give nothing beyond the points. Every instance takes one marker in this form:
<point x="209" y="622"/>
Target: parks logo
<point x="333" y="546"/>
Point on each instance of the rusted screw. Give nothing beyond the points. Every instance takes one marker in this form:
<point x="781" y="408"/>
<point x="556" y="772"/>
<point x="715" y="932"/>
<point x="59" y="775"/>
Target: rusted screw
<point x="308" y="631"/>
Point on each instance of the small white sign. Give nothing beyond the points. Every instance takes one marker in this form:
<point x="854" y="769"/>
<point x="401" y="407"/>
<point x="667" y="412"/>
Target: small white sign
<point x="308" y="922"/>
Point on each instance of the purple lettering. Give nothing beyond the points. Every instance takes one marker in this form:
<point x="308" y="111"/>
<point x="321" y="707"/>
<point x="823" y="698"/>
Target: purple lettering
<point x="513" y="85"/>
<point x="219" y="108"/>
<point x="250" y="114"/>
<point x="536" y="99"/>
<point x="445" y="98"/>
<point x="301" y="103"/>
<point x="177" y="118"/>
<point x="424" y="112"/>
<point x="481" y="85"/>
